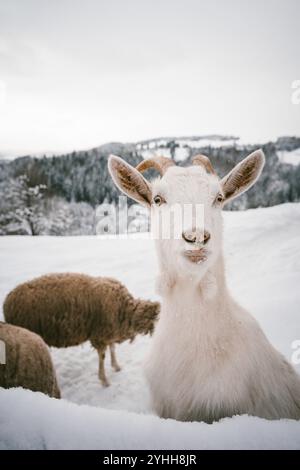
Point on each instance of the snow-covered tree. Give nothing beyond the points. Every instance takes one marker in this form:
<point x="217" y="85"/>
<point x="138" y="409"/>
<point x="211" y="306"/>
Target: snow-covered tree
<point x="24" y="206"/>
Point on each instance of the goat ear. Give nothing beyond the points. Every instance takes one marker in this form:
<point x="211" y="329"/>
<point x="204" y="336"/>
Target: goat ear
<point x="129" y="180"/>
<point x="243" y="175"/>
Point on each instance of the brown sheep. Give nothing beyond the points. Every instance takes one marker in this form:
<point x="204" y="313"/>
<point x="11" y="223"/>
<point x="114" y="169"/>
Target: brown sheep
<point x="68" y="309"/>
<point x="25" y="361"/>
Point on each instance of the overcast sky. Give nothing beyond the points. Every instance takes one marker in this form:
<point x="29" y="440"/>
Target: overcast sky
<point x="75" y="74"/>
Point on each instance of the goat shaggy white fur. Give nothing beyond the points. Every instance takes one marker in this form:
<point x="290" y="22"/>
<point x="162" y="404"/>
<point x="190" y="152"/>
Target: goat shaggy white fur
<point x="209" y="357"/>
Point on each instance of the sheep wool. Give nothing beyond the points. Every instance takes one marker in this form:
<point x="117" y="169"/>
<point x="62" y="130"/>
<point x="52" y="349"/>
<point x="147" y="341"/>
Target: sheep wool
<point x="68" y="309"/>
<point x="26" y="361"/>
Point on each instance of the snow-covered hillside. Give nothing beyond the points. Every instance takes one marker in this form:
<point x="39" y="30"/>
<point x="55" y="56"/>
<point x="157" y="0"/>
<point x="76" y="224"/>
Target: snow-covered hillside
<point x="180" y="147"/>
<point x="263" y="265"/>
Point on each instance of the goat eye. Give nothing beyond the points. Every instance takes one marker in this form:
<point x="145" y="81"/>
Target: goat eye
<point x="158" y="200"/>
<point x="219" y="198"/>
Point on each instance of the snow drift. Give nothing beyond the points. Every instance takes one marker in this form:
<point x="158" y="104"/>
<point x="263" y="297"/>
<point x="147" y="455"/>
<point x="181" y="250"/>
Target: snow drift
<point x="262" y="254"/>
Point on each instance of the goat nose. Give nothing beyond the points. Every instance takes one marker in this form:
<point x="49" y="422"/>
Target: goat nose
<point x="189" y="236"/>
<point x="192" y="236"/>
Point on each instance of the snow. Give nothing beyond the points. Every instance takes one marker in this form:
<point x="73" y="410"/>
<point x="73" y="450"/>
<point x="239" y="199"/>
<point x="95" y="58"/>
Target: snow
<point x="292" y="157"/>
<point x="182" y="151"/>
<point x="33" y="421"/>
<point x="160" y="151"/>
<point x="262" y="253"/>
<point x="206" y="142"/>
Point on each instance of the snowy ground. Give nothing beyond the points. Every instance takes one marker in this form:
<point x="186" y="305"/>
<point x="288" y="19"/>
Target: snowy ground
<point x="263" y="265"/>
<point x="292" y="157"/>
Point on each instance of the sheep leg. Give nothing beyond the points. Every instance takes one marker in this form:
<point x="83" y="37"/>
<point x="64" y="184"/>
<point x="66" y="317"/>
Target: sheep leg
<point x="113" y="358"/>
<point x="102" y="376"/>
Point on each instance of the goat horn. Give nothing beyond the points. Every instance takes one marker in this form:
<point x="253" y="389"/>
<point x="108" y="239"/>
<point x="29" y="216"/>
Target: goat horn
<point x="204" y="161"/>
<point x="160" y="164"/>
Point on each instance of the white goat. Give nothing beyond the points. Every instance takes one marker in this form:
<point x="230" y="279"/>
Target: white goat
<point x="209" y="357"/>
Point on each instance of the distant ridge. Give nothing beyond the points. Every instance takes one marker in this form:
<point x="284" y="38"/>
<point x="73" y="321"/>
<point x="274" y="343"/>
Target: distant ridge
<point x="83" y="176"/>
